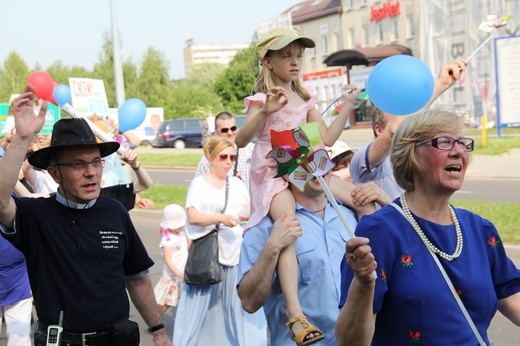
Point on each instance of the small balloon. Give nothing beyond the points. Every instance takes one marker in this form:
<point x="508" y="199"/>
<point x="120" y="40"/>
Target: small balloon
<point x="62" y="94"/>
<point x="42" y="83"/>
<point x="400" y="85"/>
<point x="131" y="114"/>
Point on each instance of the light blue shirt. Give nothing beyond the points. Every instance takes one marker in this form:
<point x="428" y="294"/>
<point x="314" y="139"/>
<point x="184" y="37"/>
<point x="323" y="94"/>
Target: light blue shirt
<point x="319" y="252"/>
<point x="382" y="175"/>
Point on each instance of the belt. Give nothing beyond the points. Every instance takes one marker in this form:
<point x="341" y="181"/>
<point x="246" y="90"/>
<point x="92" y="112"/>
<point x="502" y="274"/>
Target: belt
<point x="83" y="339"/>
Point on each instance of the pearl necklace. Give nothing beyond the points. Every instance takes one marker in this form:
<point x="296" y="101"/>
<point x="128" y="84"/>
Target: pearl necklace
<point x="424" y="238"/>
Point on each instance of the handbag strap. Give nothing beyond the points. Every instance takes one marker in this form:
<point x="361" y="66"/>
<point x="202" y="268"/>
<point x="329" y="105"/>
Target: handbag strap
<point x="449" y="283"/>
<point x="226" y="200"/>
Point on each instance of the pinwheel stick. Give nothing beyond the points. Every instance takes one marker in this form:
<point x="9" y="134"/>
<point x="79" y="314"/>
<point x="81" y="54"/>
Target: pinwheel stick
<point x="70" y="111"/>
<point x="335" y="205"/>
<point x="482" y="45"/>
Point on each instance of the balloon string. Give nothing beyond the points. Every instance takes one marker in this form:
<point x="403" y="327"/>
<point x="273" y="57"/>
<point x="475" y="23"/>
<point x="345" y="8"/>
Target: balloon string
<point x="330" y="105"/>
<point x="339" y="98"/>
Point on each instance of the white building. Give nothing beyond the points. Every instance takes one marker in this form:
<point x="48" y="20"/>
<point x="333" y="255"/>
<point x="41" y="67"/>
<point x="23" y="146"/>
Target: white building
<point x="218" y="53"/>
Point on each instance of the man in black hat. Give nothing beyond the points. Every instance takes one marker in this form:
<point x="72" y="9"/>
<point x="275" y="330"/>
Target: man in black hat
<point x="81" y="248"/>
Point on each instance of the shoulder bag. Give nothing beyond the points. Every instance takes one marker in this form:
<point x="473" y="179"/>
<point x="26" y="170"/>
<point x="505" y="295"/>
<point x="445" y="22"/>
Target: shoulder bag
<point x="202" y="266"/>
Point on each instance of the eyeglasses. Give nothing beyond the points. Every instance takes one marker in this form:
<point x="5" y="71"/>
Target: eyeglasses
<point x="448" y="143"/>
<point x="226" y="129"/>
<point x="224" y="157"/>
<point x="82" y="165"/>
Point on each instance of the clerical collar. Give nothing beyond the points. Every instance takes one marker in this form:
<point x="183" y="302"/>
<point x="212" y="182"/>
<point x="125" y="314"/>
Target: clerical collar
<point x="73" y="205"/>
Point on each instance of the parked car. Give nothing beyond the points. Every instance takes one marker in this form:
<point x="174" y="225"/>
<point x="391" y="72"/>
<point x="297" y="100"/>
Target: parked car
<point x="179" y="133"/>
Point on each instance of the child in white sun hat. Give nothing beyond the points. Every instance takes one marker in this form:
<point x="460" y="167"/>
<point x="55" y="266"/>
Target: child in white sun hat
<point x="174" y="247"/>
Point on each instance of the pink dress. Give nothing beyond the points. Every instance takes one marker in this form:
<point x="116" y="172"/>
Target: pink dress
<point x="262" y="182"/>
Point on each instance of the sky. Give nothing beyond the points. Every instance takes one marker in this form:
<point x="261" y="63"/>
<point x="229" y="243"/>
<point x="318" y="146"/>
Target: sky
<point x="72" y="30"/>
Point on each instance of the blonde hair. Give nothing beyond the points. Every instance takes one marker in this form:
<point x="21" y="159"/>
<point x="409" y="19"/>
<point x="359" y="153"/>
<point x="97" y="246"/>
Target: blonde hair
<point x="214" y="145"/>
<point x="419" y="127"/>
<point x="266" y="80"/>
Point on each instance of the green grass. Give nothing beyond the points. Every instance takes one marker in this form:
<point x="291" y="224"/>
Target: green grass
<point x="496" y="145"/>
<point x="503" y="215"/>
<point x="170" y="160"/>
<point x="162" y="195"/>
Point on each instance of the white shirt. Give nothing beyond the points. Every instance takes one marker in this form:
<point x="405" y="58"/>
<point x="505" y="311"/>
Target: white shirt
<point x="210" y="200"/>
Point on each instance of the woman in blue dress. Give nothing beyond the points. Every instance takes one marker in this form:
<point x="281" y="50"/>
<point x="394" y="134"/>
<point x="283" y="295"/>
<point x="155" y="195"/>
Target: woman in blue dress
<point x="410" y="301"/>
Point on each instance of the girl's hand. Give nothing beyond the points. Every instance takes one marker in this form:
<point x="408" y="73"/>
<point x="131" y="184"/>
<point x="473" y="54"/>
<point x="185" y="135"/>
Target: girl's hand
<point x="276" y="99"/>
<point x="228" y="220"/>
<point x="350" y="94"/>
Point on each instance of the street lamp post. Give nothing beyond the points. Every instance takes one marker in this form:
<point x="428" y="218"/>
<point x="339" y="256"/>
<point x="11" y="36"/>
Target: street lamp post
<point x="118" y="67"/>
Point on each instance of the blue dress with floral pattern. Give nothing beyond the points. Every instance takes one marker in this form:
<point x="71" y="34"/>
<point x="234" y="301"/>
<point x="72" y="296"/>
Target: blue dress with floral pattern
<point x="412" y="301"/>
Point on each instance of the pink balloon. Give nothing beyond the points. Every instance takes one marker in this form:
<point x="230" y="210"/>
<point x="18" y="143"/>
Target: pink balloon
<point x="42" y="83"/>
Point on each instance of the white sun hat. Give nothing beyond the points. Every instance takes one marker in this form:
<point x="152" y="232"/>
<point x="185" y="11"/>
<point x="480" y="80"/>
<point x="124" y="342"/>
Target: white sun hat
<point x="173" y="217"/>
<point x="338" y="148"/>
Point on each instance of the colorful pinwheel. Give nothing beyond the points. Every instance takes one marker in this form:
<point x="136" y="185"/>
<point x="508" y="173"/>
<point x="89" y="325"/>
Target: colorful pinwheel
<point x="491" y="24"/>
<point x="293" y="150"/>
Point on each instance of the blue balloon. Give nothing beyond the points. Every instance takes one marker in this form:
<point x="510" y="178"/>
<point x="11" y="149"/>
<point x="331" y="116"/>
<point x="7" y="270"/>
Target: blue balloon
<point x="131" y="114"/>
<point x="400" y="85"/>
<point x="62" y="94"/>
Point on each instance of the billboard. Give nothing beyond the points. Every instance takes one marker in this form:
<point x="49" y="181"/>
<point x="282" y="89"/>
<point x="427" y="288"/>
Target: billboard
<point x="53" y="115"/>
<point x="507" y="67"/>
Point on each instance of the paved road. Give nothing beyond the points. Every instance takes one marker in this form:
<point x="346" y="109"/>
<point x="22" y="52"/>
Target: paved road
<point x="482" y="189"/>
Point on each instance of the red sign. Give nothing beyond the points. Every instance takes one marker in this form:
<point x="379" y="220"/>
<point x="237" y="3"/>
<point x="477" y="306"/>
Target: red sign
<point x="323" y="74"/>
<point x="387" y="10"/>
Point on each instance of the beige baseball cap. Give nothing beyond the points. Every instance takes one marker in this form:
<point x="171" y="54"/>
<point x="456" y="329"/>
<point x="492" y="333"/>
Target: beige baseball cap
<point x="278" y="38"/>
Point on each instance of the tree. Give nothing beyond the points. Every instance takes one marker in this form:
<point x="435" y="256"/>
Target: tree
<point x="61" y="74"/>
<point x="194" y="97"/>
<point x="13" y="76"/>
<point x="152" y="84"/>
<point x="104" y="70"/>
<point x="238" y="80"/>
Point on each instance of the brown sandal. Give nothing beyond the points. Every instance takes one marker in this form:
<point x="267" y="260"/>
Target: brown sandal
<point x="300" y="338"/>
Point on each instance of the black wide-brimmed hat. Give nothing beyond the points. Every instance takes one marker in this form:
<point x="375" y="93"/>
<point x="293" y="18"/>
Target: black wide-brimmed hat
<point x="70" y="133"/>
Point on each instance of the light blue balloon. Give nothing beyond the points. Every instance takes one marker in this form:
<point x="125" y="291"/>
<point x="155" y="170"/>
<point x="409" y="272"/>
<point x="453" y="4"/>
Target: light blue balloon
<point x="131" y="114"/>
<point x="62" y="94"/>
<point x="400" y="85"/>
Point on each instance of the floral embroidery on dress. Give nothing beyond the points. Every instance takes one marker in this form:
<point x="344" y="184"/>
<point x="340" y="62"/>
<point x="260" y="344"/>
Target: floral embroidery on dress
<point x="493" y="242"/>
<point x="415" y="335"/>
<point x="383" y="276"/>
<point x="406" y="260"/>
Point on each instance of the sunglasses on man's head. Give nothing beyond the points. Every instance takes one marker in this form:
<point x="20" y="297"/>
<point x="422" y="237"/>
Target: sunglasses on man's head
<point x="226" y="129"/>
<point x="224" y="157"/>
